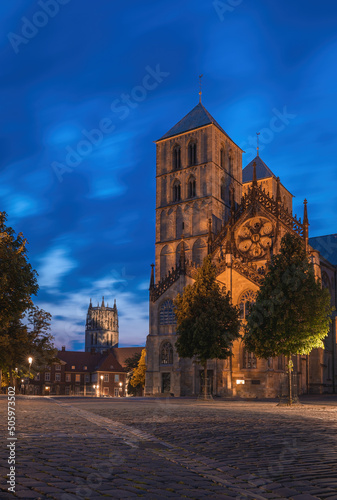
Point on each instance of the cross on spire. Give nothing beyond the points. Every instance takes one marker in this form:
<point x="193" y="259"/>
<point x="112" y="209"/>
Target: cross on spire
<point x="200" y="85"/>
<point x="257" y="140"/>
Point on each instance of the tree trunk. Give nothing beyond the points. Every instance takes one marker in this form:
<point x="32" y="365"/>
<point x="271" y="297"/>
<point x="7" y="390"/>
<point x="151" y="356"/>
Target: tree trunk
<point x="290" y="368"/>
<point x="205" y="380"/>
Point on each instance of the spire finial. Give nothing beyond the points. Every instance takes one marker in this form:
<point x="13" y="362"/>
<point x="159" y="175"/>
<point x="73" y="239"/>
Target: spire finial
<point x="90" y="304"/>
<point x="152" y="277"/>
<point x="305" y="215"/>
<point x="200" y="84"/>
<point x="103" y="302"/>
<point x="257" y="143"/>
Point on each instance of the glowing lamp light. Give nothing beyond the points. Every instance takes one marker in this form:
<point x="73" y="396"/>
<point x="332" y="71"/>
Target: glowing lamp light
<point x="240" y="382"/>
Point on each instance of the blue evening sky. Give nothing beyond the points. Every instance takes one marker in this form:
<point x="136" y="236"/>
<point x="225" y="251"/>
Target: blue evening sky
<point x="122" y="74"/>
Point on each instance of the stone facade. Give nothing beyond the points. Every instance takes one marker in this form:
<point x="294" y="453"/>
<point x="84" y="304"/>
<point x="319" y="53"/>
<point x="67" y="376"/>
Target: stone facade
<point x="101" y="330"/>
<point x="205" y="205"/>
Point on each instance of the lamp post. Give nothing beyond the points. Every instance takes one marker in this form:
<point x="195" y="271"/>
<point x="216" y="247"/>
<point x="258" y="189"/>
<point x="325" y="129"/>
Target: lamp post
<point x="94" y="389"/>
<point x="121" y="388"/>
<point x="101" y="385"/>
<point x="22" y="386"/>
<point x="30" y="360"/>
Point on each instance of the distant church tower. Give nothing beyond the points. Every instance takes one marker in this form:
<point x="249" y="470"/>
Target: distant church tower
<point x="101" y="329"/>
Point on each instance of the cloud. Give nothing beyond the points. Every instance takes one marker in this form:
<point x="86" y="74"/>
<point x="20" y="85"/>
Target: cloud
<point x="54" y="266"/>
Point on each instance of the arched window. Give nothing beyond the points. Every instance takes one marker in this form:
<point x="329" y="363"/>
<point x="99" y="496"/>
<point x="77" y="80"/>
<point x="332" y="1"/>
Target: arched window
<point x="230" y="164"/>
<point x="176" y="163"/>
<point x="191" y="187"/>
<point x="249" y="359"/>
<point x="192" y="153"/>
<point x="166" y="354"/>
<point x="176" y="191"/>
<point x="222" y="157"/>
<point x="166" y="313"/>
<point x="223" y="189"/>
<point x="246" y="300"/>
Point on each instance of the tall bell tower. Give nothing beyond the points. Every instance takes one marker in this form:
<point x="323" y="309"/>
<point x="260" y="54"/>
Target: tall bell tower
<point x="101" y="329"/>
<point x="197" y="166"/>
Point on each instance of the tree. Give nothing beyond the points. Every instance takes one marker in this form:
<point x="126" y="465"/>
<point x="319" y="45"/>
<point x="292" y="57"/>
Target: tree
<point x="28" y="336"/>
<point x="207" y="322"/>
<point x="17" y="278"/>
<point x="131" y="364"/>
<point x="291" y="314"/>
<point x="138" y="377"/>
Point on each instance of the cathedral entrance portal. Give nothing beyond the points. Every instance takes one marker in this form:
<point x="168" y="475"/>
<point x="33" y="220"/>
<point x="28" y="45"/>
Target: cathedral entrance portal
<point x="165" y="382"/>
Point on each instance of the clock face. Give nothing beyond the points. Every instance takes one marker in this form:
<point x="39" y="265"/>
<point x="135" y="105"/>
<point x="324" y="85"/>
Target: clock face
<point x="254" y="237"/>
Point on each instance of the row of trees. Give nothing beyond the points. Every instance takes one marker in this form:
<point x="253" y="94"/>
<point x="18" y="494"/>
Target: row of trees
<point x="24" y="328"/>
<point x="291" y="314"/>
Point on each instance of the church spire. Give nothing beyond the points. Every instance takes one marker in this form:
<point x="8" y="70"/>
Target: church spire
<point x="200" y="91"/>
<point x="257" y="143"/>
<point x="152" y="277"/>
<point x="103" y="305"/>
<point x="90" y="304"/>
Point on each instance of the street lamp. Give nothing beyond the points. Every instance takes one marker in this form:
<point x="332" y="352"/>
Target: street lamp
<point x="101" y="385"/>
<point x="22" y="385"/>
<point x="120" y="388"/>
<point x="30" y="360"/>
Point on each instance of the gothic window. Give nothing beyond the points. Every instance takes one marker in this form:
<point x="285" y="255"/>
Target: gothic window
<point x="223" y="189"/>
<point x="246" y="300"/>
<point x="176" y="158"/>
<point x="230" y="164"/>
<point x="166" y="354"/>
<point x="191" y="187"/>
<point x="166" y="313"/>
<point x="249" y="359"/>
<point x="222" y="157"/>
<point x="192" y="153"/>
<point x="176" y="191"/>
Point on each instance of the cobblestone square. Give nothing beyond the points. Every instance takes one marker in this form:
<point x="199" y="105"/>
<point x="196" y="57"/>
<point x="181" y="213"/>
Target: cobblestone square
<point x="90" y="448"/>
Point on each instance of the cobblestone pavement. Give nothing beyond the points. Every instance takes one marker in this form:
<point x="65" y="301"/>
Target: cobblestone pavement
<point x="76" y="448"/>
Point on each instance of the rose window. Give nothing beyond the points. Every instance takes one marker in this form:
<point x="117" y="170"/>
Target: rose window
<point x="254" y="237"/>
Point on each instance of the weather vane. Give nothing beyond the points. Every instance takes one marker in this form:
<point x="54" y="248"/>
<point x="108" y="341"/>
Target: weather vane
<point x="200" y="92"/>
<point x="257" y="140"/>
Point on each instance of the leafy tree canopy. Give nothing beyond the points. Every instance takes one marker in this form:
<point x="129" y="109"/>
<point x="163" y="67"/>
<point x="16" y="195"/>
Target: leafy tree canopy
<point x="291" y="314"/>
<point x="207" y="322"/>
<point x="138" y="377"/>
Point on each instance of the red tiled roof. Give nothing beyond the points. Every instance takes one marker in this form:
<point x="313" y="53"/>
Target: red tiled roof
<point x="80" y="359"/>
<point x="110" y="363"/>
<point x="123" y="353"/>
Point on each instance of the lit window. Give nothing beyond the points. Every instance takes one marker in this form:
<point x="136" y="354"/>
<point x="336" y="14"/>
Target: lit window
<point x="77" y="377"/>
<point x="85" y="367"/>
<point x="116" y="392"/>
<point x="73" y="367"/>
<point x="117" y="377"/>
<point x="106" y="377"/>
<point x="166" y="354"/>
<point x="249" y="359"/>
<point x="245" y="302"/>
<point x="166" y="313"/>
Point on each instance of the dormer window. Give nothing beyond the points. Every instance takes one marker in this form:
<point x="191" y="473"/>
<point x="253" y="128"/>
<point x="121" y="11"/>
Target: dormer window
<point x="192" y="153"/>
<point x="176" y="158"/>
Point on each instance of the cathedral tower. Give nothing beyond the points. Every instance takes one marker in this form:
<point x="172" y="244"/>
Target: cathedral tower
<point x="197" y="166"/>
<point x="101" y="330"/>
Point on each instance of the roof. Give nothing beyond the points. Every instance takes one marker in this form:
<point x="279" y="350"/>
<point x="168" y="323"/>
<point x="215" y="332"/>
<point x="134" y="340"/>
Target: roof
<point x="123" y="353"/>
<point x="262" y="170"/>
<point x="110" y="363"/>
<point x="80" y="359"/>
<point x="327" y="247"/>
<point x="196" y="118"/>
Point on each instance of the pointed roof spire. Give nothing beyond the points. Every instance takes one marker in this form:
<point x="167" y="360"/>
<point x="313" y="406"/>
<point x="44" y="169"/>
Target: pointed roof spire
<point x="200" y="84"/>
<point x="90" y="304"/>
<point x="152" y="277"/>
<point x="254" y="174"/>
<point x="103" y="305"/>
<point x="305" y="215"/>
<point x="257" y="145"/>
<point x="115" y="306"/>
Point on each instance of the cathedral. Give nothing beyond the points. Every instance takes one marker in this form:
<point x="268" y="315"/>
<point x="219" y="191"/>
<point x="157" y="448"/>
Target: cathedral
<point x="101" y="328"/>
<point x="207" y="204"/>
